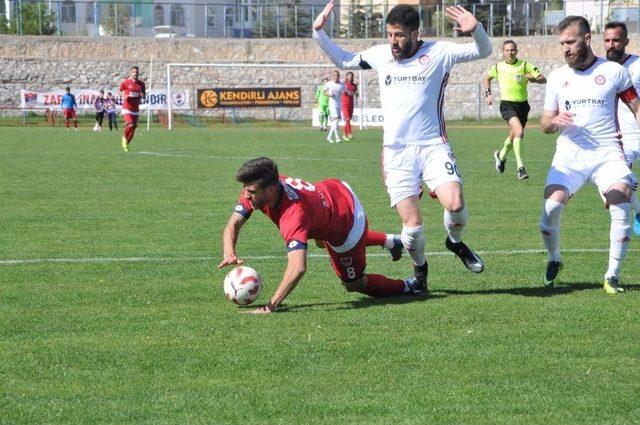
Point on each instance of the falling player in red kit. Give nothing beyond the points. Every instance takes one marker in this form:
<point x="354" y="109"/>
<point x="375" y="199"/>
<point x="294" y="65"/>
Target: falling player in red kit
<point x="348" y="95"/>
<point x="327" y="211"/>
<point x="132" y="91"/>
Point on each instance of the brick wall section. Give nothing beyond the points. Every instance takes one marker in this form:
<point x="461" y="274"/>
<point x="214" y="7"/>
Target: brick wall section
<point x="33" y="62"/>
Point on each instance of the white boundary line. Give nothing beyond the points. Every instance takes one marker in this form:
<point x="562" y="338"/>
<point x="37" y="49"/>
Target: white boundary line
<point x="99" y="260"/>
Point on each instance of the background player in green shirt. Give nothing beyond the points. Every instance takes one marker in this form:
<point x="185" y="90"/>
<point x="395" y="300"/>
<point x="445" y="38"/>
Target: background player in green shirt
<point x="513" y="75"/>
<point x="323" y="104"/>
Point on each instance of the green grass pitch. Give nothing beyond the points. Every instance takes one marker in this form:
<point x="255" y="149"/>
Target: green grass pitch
<point x="112" y="311"/>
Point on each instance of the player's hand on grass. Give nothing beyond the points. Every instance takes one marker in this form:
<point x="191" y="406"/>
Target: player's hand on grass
<point x="323" y="16"/>
<point x="266" y="309"/>
<point x="563" y="119"/>
<point x="228" y="260"/>
<point x="465" y="20"/>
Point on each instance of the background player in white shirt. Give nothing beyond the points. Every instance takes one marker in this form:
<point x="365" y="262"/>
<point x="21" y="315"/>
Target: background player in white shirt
<point x="334" y="89"/>
<point x="615" y="41"/>
<point x="412" y="75"/>
<point x="581" y="101"/>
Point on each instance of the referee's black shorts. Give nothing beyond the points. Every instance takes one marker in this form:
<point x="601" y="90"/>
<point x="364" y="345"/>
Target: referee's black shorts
<point x="509" y="110"/>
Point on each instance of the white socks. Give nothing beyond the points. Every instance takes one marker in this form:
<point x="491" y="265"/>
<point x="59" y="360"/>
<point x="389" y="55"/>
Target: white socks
<point x="619" y="237"/>
<point x="454" y="223"/>
<point x="550" y="227"/>
<point x="414" y="242"/>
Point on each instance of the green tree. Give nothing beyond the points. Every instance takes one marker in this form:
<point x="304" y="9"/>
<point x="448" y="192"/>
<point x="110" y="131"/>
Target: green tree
<point x="30" y="19"/>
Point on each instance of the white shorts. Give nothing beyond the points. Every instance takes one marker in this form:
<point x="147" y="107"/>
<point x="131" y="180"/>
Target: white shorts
<point x="334" y="112"/>
<point x="404" y="168"/>
<point x="574" y="167"/>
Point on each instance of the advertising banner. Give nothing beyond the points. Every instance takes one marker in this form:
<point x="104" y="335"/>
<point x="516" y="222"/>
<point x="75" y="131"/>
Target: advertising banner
<point x="371" y="117"/>
<point x="260" y="97"/>
<point x="156" y="99"/>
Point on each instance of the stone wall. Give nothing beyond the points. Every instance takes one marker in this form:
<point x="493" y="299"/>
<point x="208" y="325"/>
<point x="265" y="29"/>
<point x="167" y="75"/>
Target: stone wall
<point x="52" y="62"/>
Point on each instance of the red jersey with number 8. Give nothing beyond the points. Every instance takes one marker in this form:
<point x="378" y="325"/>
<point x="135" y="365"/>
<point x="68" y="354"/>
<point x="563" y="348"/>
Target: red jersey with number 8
<point x="322" y="210"/>
<point x="132" y="92"/>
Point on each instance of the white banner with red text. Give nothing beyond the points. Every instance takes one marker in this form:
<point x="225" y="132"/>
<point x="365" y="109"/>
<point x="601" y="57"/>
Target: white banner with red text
<point x="85" y="98"/>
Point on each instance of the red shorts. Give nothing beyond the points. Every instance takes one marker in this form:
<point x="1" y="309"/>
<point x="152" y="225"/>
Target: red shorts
<point x="130" y="119"/>
<point x="350" y="265"/>
<point x="69" y="113"/>
<point x="347" y="112"/>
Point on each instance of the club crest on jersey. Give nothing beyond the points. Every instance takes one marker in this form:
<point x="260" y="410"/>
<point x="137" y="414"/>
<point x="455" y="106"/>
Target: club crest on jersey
<point x="424" y="59"/>
<point x="600" y="80"/>
<point x="346" y="261"/>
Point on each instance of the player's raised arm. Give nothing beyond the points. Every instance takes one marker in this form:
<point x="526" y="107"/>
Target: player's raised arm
<point x="467" y="23"/>
<point x="230" y="239"/>
<point x="296" y="268"/>
<point x="341" y="58"/>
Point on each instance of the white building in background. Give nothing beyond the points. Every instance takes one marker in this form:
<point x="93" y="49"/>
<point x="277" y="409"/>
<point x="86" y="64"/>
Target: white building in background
<point x="599" y="12"/>
<point x="178" y="18"/>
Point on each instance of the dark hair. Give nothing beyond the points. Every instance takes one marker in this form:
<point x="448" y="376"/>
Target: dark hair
<point x="612" y="25"/>
<point x="135" y="67"/>
<point x="504" y="43"/>
<point x="101" y="91"/>
<point x="583" y="24"/>
<point x="405" y="15"/>
<point x="67" y="88"/>
<point x="262" y="171"/>
<point x="347" y="74"/>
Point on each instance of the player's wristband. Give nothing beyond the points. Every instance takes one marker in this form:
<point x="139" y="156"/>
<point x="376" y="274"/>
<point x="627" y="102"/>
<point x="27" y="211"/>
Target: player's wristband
<point x="487" y="93"/>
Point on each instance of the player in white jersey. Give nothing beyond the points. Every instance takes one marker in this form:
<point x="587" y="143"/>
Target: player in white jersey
<point x="615" y="41"/>
<point x="581" y="101"/>
<point x="334" y="89"/>
<point x="412" y="75"/>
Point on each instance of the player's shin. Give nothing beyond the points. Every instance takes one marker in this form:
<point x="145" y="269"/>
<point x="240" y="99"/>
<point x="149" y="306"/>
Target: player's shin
<point x="550" y="227"/>
<point x="414" y="243"/>
<point x="508" y="144"/>
<point x="454" y="223"/>
<point x="619" y="236"/>
<point x="517" y="150"/>
<point x="377" y="285"/>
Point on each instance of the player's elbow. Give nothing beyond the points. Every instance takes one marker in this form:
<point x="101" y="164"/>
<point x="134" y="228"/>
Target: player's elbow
<point x="485" y="50"/>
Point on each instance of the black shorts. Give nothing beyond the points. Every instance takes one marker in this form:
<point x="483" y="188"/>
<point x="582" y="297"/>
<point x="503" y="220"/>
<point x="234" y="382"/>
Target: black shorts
<point x="509" y="110"/>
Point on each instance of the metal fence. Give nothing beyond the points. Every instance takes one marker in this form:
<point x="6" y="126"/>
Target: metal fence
<point x="257" y="19"/>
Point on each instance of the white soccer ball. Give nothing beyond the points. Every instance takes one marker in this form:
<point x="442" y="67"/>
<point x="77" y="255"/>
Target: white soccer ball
<point x="242" y="285"/>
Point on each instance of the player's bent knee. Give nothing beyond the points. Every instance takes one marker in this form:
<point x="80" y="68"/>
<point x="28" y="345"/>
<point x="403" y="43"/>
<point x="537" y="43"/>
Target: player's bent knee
<point x="355" y="285"/>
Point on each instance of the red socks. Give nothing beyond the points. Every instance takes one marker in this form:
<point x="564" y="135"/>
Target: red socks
<point x="382" y="286"/>
<point x="376" y="238"/>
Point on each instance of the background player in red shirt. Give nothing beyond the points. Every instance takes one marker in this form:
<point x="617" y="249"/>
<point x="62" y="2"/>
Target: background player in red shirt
<point x="348" y="95"/>
<point x="327" y="211"/>
<point x="132" y="91"/>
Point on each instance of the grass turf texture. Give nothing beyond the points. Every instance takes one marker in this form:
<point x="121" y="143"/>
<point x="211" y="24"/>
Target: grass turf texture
<point x="131" y="325"/>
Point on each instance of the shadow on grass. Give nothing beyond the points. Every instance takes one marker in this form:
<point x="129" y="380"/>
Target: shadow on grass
<point x="360" y="303"/>
<point x="538" y="291"/>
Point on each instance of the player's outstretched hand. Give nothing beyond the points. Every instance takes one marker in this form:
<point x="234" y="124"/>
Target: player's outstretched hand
<point x="489" y="99"/>
<point x="262" y="310"/>
<point x="323" y="16"/>
<point x="465" y="20"/>
<point x="229" y="260"/>
<point x="563" y="119"/>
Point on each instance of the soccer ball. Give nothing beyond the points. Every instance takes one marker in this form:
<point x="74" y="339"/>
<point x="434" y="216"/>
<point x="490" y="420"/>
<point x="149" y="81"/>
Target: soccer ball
<point x="242" y="285"/>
